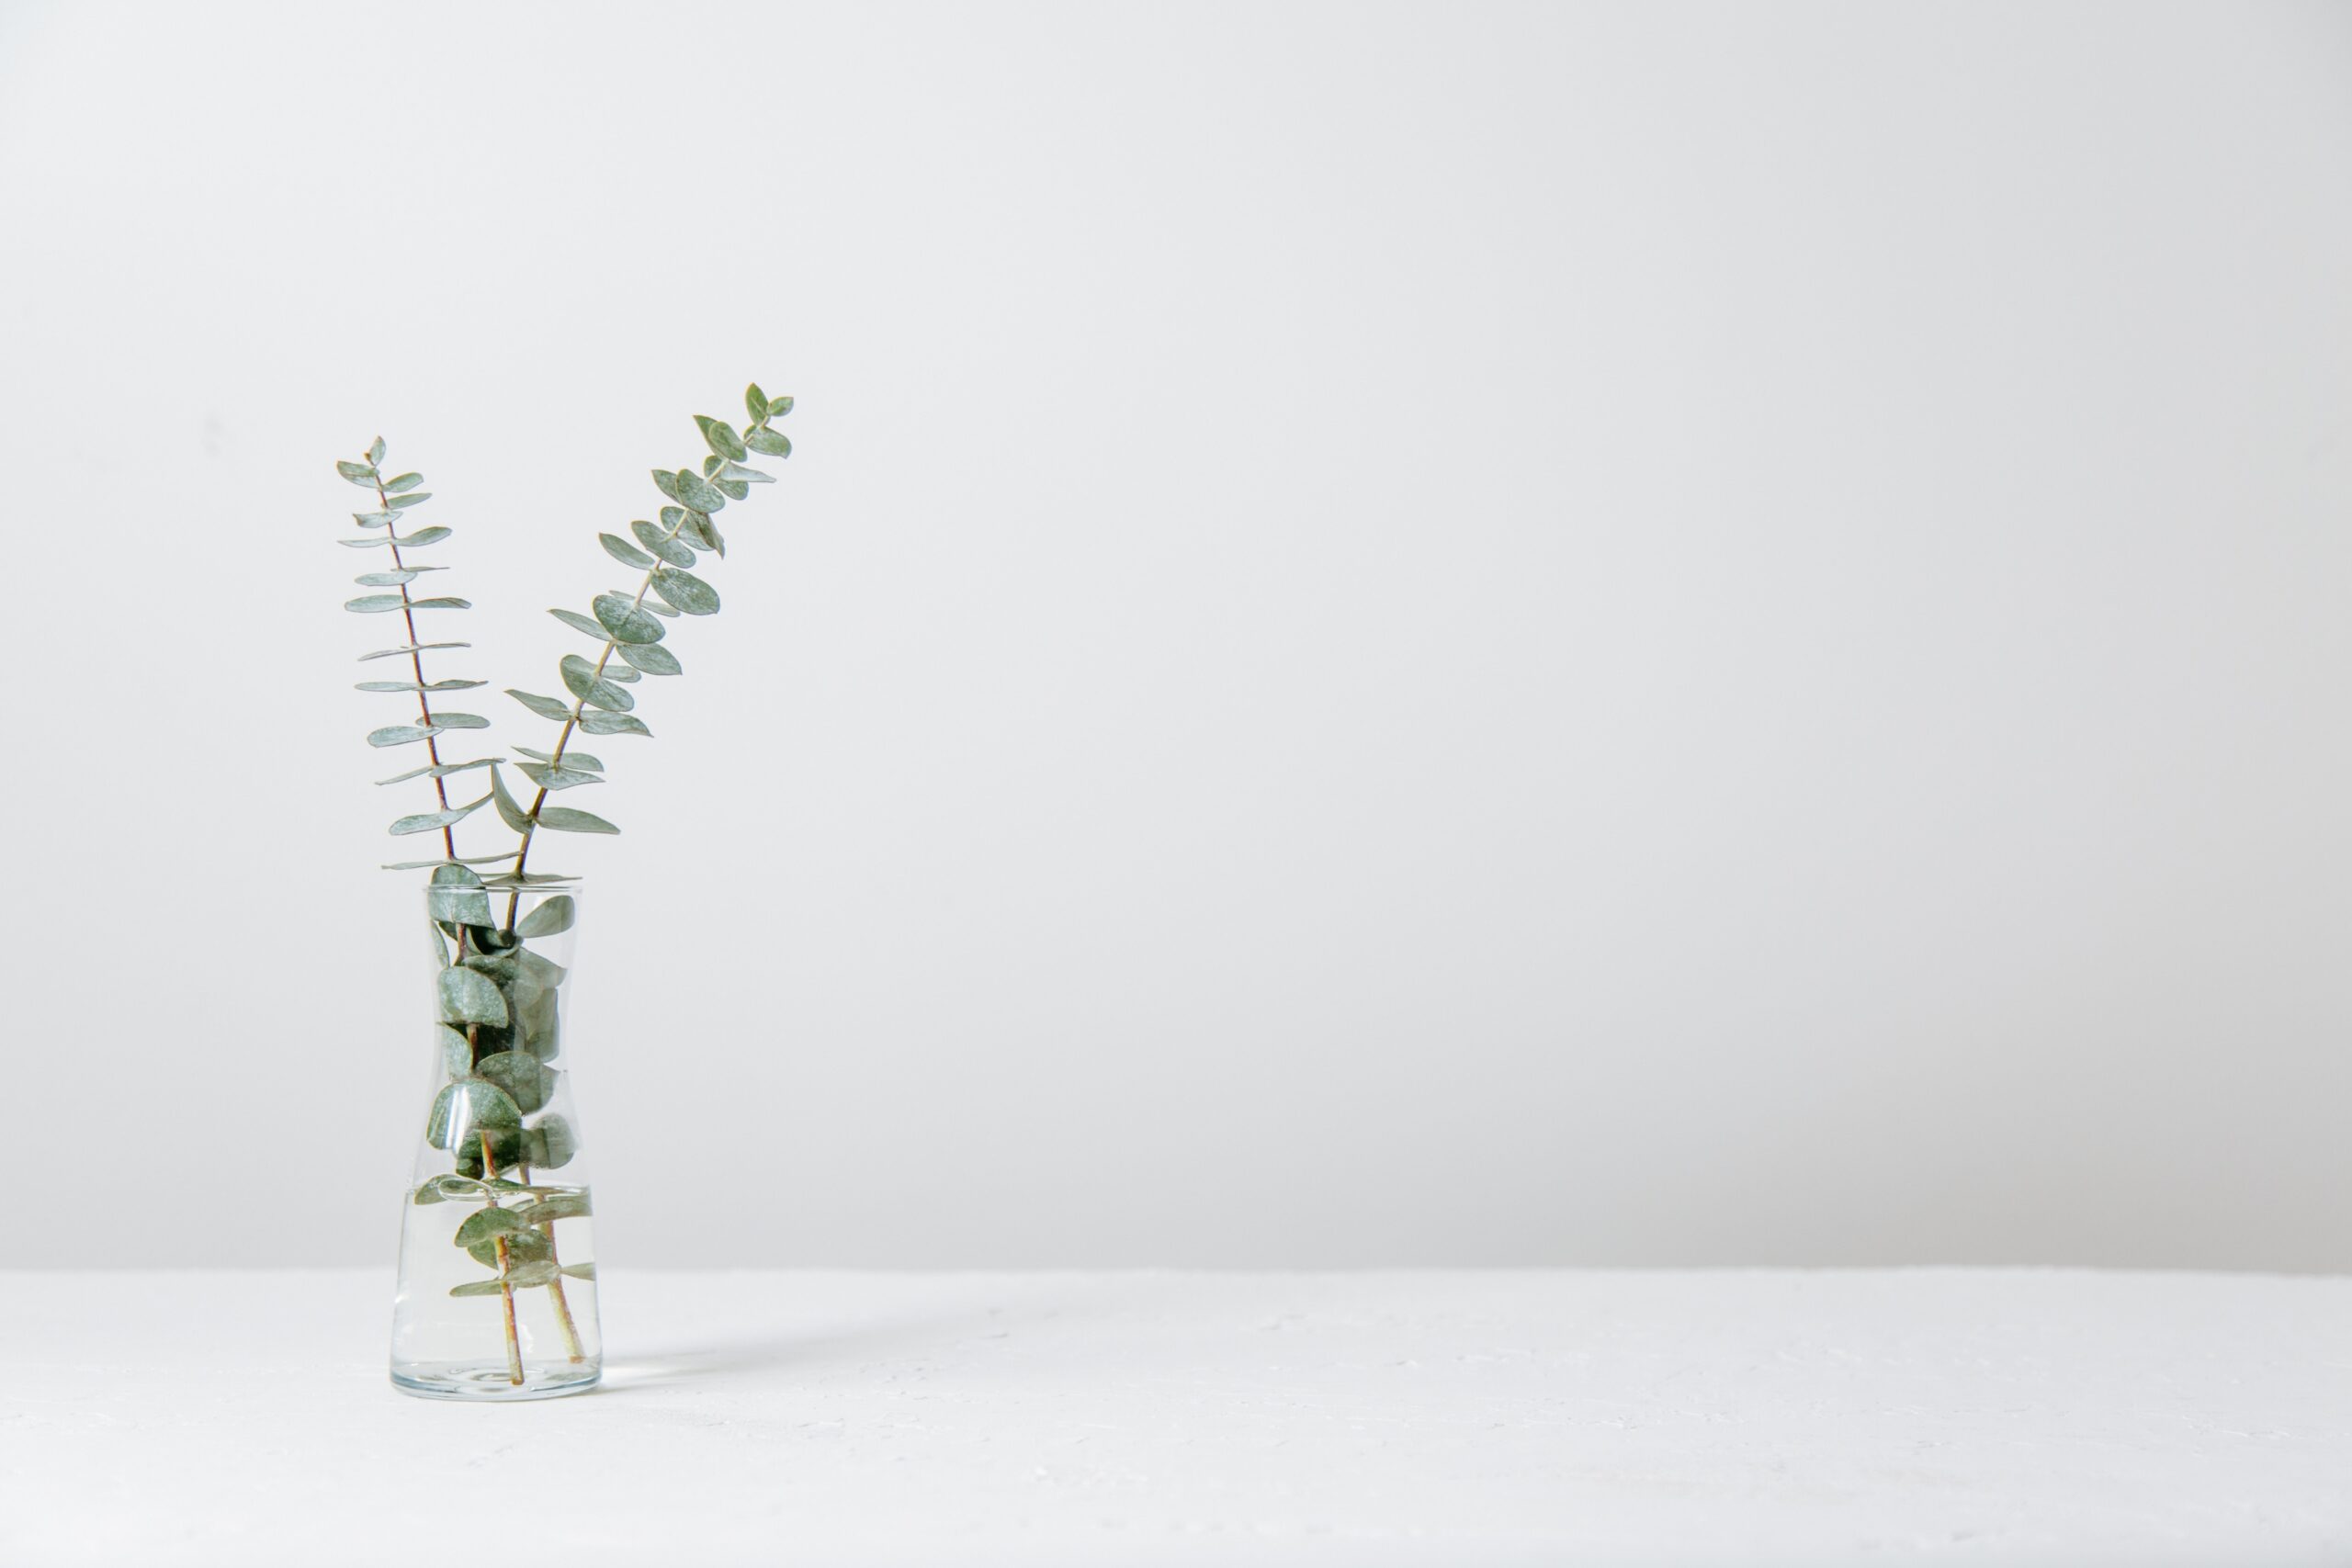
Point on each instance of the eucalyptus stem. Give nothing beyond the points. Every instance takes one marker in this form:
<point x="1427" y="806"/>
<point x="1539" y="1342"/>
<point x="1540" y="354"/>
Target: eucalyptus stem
<point x="505" y="1290"/>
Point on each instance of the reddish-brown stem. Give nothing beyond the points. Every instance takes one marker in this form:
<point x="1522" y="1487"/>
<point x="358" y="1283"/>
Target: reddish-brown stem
<point x="506" y="1291"/>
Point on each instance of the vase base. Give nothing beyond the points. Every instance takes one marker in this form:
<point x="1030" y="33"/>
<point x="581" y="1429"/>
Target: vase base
<point x="484" y="1382"/>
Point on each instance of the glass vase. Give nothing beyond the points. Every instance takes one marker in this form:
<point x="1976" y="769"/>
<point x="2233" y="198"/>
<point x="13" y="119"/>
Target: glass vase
<point x="497" y="1296"/>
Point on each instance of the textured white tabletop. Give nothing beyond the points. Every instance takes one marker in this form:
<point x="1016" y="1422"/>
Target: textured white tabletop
<point x="1454" y="1418"/>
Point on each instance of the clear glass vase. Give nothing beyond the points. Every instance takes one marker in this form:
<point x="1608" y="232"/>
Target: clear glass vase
<point x="497" y="1296"/>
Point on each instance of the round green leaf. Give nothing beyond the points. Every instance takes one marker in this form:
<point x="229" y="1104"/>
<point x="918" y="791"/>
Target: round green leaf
<point x="658" y="541"/>
<point x="467" y="1107"/>
<point x="555" y="915"/>
<point x="685" y="592"/>
<point x="546" y="708"/>
<point x="469" y="997"/>
<point x="456" y="1051"/>
<point x="650" y="658"/>
<point x="580" y="678"/>
<point x="621" y="551"/>
<point x="563" y="1206"/>
<point x="699" y="493"/>
<point x="624" y="621"/>
<point x="596" y="723"/>
<point x="580" y="623"/>
<point x="552" y="1142"/>
<point x="527" y="1083"/>
<point x="565" y="820"/>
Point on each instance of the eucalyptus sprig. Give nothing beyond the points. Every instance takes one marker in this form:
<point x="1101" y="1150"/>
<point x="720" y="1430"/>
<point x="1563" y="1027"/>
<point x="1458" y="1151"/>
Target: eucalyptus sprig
<point x="395" y="498"/>
<point x="629" y="624"/>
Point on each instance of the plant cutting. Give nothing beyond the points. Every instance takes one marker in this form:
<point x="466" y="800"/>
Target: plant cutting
<point x="497" y="1294"/>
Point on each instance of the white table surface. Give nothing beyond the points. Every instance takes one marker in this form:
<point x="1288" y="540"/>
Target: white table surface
<point x="1454" y="1418"/>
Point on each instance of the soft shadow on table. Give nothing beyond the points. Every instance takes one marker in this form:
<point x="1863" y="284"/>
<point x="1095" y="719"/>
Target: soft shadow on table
<point x="903" y="1336"/>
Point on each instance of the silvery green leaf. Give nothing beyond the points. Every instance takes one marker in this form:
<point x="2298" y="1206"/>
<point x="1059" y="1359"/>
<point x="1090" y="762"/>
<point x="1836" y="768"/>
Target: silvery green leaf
<point x="480" y="1288"/>
<point x="528" y="879"/>
<point x="456" y="1051"/>
<point x="561" y="1206"/>
<point x="699" y="493"/>
<point x="439" y="771"/>
<point x="426" y="821"/>
<point x="755" y="402"/>
<point x="572" y="758"/>
<point x="486" y="1224"/>
<point x="779" y="406"/>
<point x="409" y="649"/>
<point x="546" y="708"/>
<point x="771" y="442"/>
<point x="524" y="1247"/>
<point x="422" y="537"/>
<point x="375" y="451"/>
<point x="625" y="673"/>
<point x="468" y="1103"/>
<point x="406" y="481"/>
<point x="703" y="532"/>
<point x="358" y="473"/>
<point x="743" y="475"/>
<point x="430" y="1193"/>
<point x="666" y="482"/>
<point x="461" y="904"/>
<point x="553" y="1140"/>
<point x="581" y="1270"/>
<point x="390" y="579"/>
<point x="580" y="623"/>
<point x="710" y="465"/>
<point x="461" y="859"/>
<point x="530" y="1272"/>
<point x="655" y="606"/>
<point x="364" y="543"/>
<point x="447" y="720"/>
<point x="722" y="438"/>
<point x="507" y="1147"/>
<point x="374" y="603"/>
<point x="415" y="498"/>
<point x="553" y="779"/>
<point x="564" y="819"/>
<point x="554" y="915"/>
<point x="527" y="1083"/>
<point x="510" y="811"/>
<point x="400" y="734"/>
<point x="596" y="722"/>
<point x="621" y="551"/>
<point x="453" y="875"/>
<point x="733" y="489"/>
<point x="624" y="622"/>
<point x="580" y="678"/>
<point x="657" y="540"/>
<point x="467" y="998"/>
<point x="442" y="603"/>
<point x="374" y="519"/>
<point x="684" y="592"/>
<point x="415" y="686"/>
<point x="650" y="658"/>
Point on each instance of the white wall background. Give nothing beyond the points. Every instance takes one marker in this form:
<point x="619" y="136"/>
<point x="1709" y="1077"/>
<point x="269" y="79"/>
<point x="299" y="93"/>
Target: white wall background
<point x="1399" y="635"/>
